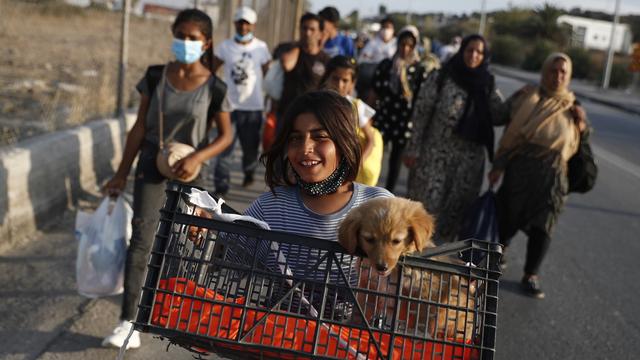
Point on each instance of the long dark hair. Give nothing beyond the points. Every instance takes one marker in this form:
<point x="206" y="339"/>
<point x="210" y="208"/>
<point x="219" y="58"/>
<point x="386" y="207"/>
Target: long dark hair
<point x="206" y="27"/>
<point x="335" y="113"/>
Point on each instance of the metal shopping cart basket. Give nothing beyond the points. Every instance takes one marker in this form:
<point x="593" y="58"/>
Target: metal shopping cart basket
<point x="241" y="291"/>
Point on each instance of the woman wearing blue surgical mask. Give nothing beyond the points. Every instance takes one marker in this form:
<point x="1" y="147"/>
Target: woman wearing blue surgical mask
<point x="179" y="101"/>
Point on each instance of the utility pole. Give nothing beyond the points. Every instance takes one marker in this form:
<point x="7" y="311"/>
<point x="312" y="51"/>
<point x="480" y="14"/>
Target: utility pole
<point x="124" y="56"/>
<point x="483" y="17"/>
<point x="607" y="69"/>
<point x="233" y="5"/>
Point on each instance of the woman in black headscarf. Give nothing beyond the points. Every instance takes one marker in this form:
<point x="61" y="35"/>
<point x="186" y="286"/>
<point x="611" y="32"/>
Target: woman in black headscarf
<point x="453" y="121"/>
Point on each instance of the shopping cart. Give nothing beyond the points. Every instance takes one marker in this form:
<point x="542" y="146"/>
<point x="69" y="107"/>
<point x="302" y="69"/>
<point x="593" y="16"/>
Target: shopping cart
<point x="233" y="292"/>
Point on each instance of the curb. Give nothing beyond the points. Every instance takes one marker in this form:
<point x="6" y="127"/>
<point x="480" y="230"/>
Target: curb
<point x="593" y="98"/>
<point x="43" y="176"/>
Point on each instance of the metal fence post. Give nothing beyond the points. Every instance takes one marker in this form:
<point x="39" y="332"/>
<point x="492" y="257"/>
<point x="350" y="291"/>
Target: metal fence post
<point x="124" y="55"/>
<point x="607" y="69"/>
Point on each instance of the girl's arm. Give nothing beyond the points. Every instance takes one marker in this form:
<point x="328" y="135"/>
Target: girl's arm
<point x="367" y="130"/>
<point x="132" y="146"/>
<point x="189" y="165"/>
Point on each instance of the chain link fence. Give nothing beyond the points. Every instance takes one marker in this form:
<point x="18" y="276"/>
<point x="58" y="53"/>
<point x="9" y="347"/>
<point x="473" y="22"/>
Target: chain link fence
<point x="59" y="64"/>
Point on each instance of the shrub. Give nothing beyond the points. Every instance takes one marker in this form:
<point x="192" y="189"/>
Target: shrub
<point x="581" y="62"/>
<point x="507" y="50"/>
<point x="536" y="56"/>
<point x="620" y="76"/>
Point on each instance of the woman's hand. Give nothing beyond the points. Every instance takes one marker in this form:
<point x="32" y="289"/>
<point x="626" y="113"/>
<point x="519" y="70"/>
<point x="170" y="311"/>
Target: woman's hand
<point x="187" y="166"/>
<point x="115" y="186"/>
<point x="494" y="176"/>
<point x="409" y="161"/>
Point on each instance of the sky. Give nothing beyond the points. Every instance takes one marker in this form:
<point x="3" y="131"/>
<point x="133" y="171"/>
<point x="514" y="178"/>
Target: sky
<point x="370" y="7"/>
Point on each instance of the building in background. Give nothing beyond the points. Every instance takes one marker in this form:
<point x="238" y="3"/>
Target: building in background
<point x="595" y="34"/>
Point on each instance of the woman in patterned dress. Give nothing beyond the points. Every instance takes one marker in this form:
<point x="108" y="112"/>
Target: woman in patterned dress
<point x="395" y="84"/>
<point x="453" y="120"/>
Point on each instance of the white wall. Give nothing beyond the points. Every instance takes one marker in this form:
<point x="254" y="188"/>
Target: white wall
<point x="598" y="33"/>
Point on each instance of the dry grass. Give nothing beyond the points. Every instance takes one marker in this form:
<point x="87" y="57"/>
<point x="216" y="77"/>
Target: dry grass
<point x="59" y="64"/>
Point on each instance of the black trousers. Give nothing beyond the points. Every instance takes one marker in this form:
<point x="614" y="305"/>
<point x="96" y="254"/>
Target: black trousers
<point x="148" y="199"/>
<point x="395" y="163"/>
<point x="537" y="246"/>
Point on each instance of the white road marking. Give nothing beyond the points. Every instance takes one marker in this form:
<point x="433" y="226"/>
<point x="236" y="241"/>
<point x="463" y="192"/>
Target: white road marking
<point x="616" y="160"/>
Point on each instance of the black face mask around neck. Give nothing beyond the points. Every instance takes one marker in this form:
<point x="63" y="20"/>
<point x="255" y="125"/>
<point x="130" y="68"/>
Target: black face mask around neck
<point x="326" y="186"/>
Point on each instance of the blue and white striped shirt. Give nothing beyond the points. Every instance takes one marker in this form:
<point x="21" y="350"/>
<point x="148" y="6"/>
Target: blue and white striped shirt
<point x="285" y="211"/>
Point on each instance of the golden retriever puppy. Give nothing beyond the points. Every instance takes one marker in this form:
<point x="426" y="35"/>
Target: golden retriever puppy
<point x="385" y="229"/>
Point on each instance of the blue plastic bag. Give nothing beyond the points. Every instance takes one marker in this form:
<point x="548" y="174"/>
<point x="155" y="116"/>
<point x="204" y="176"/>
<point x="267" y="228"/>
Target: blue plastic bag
<point x="480" y="223"/>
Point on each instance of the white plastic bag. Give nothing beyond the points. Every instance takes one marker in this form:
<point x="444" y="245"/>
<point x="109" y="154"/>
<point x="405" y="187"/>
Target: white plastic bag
<point x="102" y="250"/>
<point x="274" y="80"/>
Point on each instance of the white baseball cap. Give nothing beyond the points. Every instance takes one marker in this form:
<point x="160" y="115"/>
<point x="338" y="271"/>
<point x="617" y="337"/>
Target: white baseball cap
<point x="247" y="14"/>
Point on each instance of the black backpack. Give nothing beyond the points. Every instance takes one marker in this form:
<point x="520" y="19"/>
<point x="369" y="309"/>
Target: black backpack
<point x="582" y="170"/>
<point x="218" y="88"/>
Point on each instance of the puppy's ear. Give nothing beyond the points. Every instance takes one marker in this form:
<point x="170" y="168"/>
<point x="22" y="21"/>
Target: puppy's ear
<point x="421" y="225"/>
<point x="348" y="231"/>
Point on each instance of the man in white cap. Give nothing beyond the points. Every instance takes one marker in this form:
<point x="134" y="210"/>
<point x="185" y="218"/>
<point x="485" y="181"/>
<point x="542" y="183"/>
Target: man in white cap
<point x="245" y="59"/>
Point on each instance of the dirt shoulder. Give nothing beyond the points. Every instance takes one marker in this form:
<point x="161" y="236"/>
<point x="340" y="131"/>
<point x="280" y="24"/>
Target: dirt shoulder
<point x="59" y="64"/>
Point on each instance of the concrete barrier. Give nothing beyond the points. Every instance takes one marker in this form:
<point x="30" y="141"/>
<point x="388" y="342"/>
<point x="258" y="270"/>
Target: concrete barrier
<point x="41" y="177"/>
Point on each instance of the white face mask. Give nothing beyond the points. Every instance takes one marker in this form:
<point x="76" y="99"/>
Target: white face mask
<point x="386" y="34"/>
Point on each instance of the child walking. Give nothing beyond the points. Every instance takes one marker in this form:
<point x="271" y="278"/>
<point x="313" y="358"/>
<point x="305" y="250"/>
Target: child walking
<point x="192" y="98"/>
<point x="341" y="75"/>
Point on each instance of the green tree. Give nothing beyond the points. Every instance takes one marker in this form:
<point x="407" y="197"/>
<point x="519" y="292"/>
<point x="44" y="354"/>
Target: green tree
<point x="514" y="22"/>
<point x="546" y="24"/>
<point x="507" y="50"/>
<point x="581" y="62"/>
<point x="536" y="56"/>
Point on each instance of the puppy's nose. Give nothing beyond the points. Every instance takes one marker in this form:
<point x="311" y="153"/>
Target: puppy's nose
<point x="382" y="267"/>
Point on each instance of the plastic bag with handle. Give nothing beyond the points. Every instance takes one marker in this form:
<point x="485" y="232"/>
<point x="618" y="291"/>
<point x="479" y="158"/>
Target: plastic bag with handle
<point x="480" y="223"/>
<point x="102" y="248"/>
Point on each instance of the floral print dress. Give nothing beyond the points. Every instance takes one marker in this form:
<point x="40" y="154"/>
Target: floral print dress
<point x="393" y="116"/>
<point x="449" y="170"/>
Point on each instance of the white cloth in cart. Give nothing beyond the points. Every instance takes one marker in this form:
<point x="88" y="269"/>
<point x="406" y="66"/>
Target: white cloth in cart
<point x="203" y="200"/>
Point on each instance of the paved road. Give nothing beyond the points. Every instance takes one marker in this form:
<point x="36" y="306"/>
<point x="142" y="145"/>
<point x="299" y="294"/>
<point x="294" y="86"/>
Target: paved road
<point x="590" y="273"/>
<point x="590" y="310"/>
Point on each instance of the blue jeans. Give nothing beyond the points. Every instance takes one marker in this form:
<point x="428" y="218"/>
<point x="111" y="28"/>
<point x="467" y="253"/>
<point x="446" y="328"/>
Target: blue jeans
<point x="247" y="126"/>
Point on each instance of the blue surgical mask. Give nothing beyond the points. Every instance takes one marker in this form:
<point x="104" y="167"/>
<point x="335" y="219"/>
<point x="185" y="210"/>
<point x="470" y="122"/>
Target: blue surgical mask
<point x="187" y="51"/>
<point x="243" y="38"/>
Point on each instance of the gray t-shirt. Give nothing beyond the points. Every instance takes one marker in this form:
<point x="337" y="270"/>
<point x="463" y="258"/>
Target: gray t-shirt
<point x="185" y="113"/>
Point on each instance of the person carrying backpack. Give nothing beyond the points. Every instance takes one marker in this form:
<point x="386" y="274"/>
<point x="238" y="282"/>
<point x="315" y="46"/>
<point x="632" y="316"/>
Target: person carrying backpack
<point x="545" y="130"/>
<point x="179" y="102"/>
